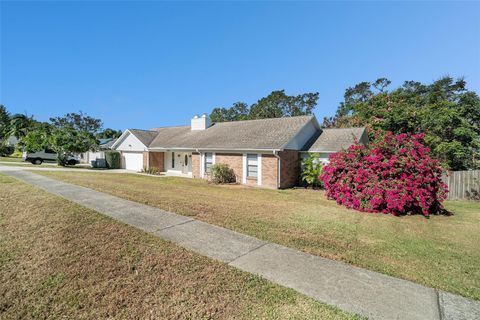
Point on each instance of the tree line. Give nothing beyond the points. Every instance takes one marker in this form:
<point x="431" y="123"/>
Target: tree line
<point x="445" y="110"/>
<point x="276" y="105"/>
<point x="67" y="135"/>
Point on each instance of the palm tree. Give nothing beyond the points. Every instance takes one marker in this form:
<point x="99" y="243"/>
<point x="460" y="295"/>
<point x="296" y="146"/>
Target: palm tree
<point x="20" y="125"/>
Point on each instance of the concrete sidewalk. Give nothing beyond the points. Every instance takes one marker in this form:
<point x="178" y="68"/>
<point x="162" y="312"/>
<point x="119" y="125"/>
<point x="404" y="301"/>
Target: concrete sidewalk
<point x="352" y="289"/>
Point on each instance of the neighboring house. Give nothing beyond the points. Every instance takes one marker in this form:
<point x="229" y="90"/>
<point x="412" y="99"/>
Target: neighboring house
<point x="104" y="144"/>
<point x="334" y="140"/>
<point x="262" y="152"/>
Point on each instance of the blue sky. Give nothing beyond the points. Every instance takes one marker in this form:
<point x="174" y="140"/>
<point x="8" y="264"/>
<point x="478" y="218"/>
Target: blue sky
<point x="148" y="64"/>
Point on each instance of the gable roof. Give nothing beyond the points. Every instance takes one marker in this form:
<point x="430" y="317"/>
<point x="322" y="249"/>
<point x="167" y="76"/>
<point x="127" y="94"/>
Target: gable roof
<point x="262" y="134"/>
<point x="145" y="136"/>
<point x="107" y="143"/>
<point x="334" y="140"/>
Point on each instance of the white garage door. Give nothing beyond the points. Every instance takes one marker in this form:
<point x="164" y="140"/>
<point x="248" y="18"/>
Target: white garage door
<point x="133" y="161"/>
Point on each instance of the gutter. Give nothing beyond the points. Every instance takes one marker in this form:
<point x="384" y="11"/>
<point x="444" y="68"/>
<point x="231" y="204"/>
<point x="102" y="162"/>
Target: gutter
<point x="211" y="149"/>
<point x="322" y="151"/>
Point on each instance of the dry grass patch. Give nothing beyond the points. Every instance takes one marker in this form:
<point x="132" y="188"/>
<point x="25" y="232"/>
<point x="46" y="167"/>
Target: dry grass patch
<point x="58" y="259"/>
<point x="440" y="252"/>
<point x="11" y="159"/>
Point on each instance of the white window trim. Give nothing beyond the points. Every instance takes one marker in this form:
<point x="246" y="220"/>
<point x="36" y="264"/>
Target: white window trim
<point x="259" y="169"/>
<point x="244" y="167"/>
<point x="202" y="162"/>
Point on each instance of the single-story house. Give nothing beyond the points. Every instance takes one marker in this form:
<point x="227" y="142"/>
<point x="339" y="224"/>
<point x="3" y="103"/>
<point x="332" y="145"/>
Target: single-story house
<point x="262" y="152"/>
<point x="334" y="140"/>
<point x="104" y="144"/>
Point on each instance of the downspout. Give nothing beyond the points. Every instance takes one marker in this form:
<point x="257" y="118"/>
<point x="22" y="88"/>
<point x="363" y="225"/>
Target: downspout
<point x="275" y="153"/>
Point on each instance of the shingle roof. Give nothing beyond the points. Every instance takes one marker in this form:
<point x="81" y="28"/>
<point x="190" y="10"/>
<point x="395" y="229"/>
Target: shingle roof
<point x="108" y="144"/>
<point x="145" y="136"/>
<point x="104" y="140"/>
<point x="263" y="134"/>
<point x="333" y="140"/>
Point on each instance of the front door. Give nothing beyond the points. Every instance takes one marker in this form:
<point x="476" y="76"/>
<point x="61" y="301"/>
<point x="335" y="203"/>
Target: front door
<point x="185" y="163"/>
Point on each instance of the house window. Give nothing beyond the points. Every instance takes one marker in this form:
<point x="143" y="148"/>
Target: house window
<point x="252" y="165"/>
<point x="173" y="160"/>
<point x="208" y="161"/>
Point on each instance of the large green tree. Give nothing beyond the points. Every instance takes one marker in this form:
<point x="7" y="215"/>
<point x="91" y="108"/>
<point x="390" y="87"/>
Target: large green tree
<point x="68" y="135"/>
<point x="109" y="134"/>
<point x="20" y="125"/>
<point x="445" y="110"/>
<point x="4" y="123"/>
<point x="276" y="105"/>
<point x="238" y="111"/>
<point x="4" y="132"/>
<point x="37" y="138"/>
<point x="78" y="121"/>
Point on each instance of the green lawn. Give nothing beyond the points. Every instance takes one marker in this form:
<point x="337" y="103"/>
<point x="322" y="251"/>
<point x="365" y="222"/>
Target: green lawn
<point x="11" y="159"/>
<point x="27" y="165"/>
<point x="61" y="260"/>
<point x="440" y="252"/>
<point x="45" y="165"/>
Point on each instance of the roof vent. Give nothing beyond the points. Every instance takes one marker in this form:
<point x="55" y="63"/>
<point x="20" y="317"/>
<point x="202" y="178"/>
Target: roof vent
<point x="201" y="123"/>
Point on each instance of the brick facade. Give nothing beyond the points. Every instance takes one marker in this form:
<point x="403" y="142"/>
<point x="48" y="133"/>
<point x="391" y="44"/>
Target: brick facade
<point x="145" y="159"/>
<point x="196" y="164"/>
<point x="234" y="161"/>
<point x="289" y="168"/>
<point x="154" y="159"/>
<point x="269" y="171"/>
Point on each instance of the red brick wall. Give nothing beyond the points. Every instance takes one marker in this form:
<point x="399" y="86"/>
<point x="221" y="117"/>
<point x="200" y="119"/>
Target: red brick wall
<point x="154" y="159"/>
<point x="234" y="161"/>
<point x="269" y="168"/>
<point x="196" y="164"/>
<point x="289" y="168"/>
<point x="157" y="160"/>
<point x="269" y="171"/>
<point x="145" y="160"/>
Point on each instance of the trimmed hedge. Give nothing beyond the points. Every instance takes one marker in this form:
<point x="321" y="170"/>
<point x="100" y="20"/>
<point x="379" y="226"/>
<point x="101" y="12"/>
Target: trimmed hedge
<point x="113" y="159"/>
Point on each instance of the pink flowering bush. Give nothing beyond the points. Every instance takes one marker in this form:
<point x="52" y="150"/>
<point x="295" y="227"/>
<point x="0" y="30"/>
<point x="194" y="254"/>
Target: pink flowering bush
<point x="394" y="174"/>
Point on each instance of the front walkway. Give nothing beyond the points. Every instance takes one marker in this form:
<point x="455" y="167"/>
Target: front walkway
<point x="352" y="289"/>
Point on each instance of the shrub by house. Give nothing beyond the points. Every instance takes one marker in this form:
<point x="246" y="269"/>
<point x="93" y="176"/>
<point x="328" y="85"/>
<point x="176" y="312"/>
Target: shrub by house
<point x="222" y="173"/>
<point x="113" y="159"/>
<point x="394" y="174"/>
<point x="311" y="170"/>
